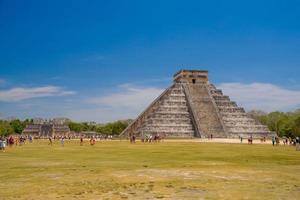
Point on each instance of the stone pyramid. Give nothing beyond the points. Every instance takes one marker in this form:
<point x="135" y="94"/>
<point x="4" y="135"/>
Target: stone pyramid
<point x="192" y="107"/>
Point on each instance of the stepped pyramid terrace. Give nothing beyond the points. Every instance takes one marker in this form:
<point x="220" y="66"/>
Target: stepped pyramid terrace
<point x="193" y="107"/>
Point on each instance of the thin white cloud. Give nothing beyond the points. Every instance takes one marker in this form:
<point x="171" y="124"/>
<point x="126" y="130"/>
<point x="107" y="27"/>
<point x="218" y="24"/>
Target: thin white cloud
<point x="127" y="102"/>
<point x="19" y="93"/>
<point x="130" y="97"/>
<point x="262" y="96"/>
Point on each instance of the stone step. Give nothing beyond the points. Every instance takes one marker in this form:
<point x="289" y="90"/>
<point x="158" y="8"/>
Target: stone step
<point x="216" y="92"/>
<point x="175" y="104"/>
<point x="234" y="115"/>
<point x="238" y="119"/>
<point x="170" y="125"/>
<point x="166" y="121"/>
<point x="224" y="109"/>
<point x="250" y="132"/>
<point x="166" y="109"/>
<point x="172" y="106"/>
<point x="226" y="104"/>
<point x="168" y="129"/>
<point x="172" y="94"/>
<point x="171" y="100"/>
<point x="221" y="98"/>
<point x="247" y="126"/>
<point x="247" y="129"/>
<point x="171" y="112"/>
<point x="168" y="134"/>
<point x="169" y="116"/>
<point x="232" y="124"/>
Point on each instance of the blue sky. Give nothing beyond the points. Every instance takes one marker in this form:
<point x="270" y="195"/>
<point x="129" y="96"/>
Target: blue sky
<point x="106" y="60"/>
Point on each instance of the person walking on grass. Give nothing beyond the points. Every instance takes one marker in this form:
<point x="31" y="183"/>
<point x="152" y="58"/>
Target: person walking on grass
<point x="81" y="141"/>
<point x="297" y="141"/>
<point x="273" y="140"/>
<point x="92" y="141"/>
<point x="50" y="141"/>
<point x="62" y="141"/>
<point x="2" y="144"/>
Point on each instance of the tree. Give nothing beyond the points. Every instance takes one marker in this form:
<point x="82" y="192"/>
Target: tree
<point x="17" y="126"/>
<point x="5" y="128"/>
<point x="77" y="127"/>
<point x="284" y="124"/>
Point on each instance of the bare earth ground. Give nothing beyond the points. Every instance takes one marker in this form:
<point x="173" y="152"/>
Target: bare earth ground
<point x="173" y="169"/>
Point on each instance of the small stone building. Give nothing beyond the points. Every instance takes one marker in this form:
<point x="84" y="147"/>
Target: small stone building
<point x="44" y="128"/>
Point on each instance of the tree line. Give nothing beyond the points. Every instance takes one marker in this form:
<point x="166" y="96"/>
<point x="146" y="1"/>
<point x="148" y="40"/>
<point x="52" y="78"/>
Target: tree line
<point x="8" y="127"/>
<point x="112" y="128"/>
<point x="282" y="123"/>
<point x="16" y="126"/>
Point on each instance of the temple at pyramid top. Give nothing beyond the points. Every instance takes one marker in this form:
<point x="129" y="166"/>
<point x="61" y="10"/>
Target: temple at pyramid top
<point x="193" y="107"/>
<point x="191" y="76"/>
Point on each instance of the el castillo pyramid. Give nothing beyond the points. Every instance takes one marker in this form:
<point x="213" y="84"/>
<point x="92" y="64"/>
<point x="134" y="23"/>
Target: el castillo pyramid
<point x="192" y="107"/>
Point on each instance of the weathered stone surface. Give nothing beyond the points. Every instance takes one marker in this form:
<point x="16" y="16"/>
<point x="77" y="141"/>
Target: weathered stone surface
<point x="192" y="107"/>
<point x="46" y="129"/>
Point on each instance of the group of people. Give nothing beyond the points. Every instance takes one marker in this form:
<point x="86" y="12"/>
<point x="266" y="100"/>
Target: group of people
<point x="62" y="140"/>
<point x="14" y="140"/>
<point x="275" y="140"/>
<point x="285" y="141"/>
<point x="146" y="138"/>
<point x="20" y="140"/>
<point x="151" y="138"/>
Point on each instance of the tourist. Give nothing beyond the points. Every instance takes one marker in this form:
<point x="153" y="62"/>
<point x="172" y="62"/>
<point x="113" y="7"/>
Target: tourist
<point x="273" y="140"/>
<point x="17" y="141"/>
<point x="290" y="141"/>
<point x="50" y="141"/>
<point x="297" y="141"/>
<point x="11" y="141"/>
<point x="30" y="139"/>
<point x="285" y="141"/>
<point x="250" y="140"/>
<point x="143" y="138"/>
<point x="92" y="141"/>
<point x="2" y="144"/>
<point x="22" y="140"/>
<point x="277" y="140"/>
<point x="62" y="141"/>
<point x="132" y="139"/>
<point x="81" y="141"/>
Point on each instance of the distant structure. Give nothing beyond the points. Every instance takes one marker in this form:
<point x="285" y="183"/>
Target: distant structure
<point x="192" y="107"/>
<point x="45" y="128"/>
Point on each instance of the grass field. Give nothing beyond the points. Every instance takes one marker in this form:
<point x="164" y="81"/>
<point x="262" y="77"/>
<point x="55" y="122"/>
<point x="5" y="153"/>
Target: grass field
<point x="166" y="170"/>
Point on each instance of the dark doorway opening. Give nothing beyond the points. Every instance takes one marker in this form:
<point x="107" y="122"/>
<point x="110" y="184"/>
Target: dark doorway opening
<point x="194" y="81"/>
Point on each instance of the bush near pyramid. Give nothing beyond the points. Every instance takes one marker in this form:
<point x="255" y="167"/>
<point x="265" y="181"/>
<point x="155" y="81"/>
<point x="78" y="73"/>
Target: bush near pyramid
<point x="192" y="107"/>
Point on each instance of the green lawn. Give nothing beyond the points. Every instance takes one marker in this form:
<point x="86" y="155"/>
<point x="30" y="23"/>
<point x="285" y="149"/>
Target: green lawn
<point x="166" y="170"/>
